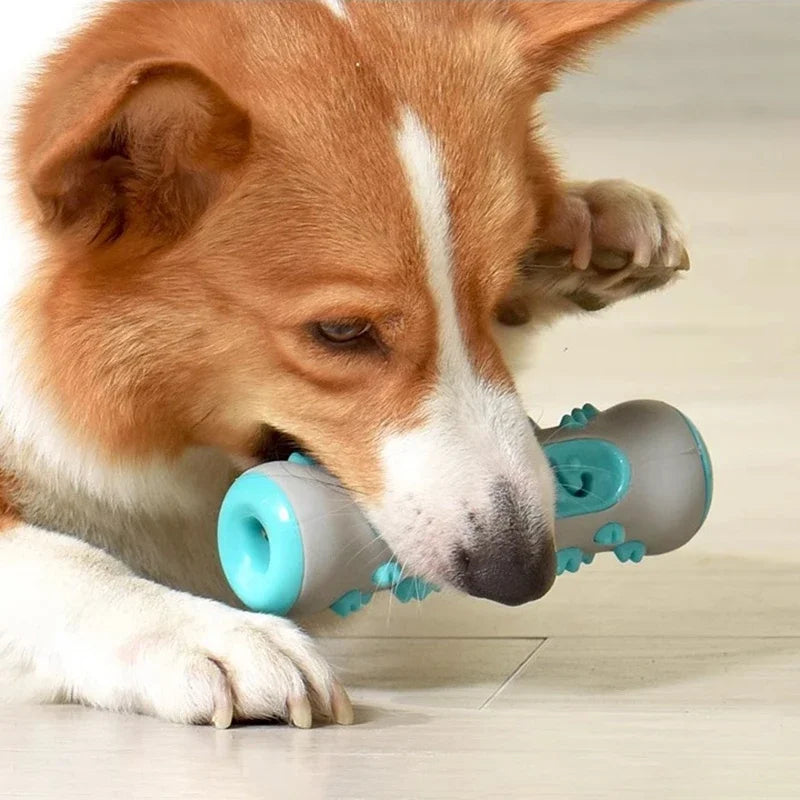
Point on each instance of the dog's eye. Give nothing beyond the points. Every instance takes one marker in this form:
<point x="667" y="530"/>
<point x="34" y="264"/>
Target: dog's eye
<point x="342" y="332"/>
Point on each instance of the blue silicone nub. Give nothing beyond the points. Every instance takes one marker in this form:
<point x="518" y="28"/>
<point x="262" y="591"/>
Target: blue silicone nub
<point x="610" y="533"/>
<point x="302" y="458"/>
<point x="390" y="576"/>
<point x="351" y="602"/>
<point x="571" y="558"/>
<point x="413" y="589"/>
<point x="260" y="547"/>
<point x="579" y="417"/>
<point x="387" y="575"/>
<point x="630" y="551"/>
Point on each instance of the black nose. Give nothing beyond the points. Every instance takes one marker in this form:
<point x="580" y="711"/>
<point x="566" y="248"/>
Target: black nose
<point x="511" y="558"/>
<point x="509" y="571"/>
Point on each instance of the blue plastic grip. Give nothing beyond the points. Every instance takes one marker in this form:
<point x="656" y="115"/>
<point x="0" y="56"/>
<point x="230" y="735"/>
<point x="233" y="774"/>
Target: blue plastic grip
<point x="591" y="475"/>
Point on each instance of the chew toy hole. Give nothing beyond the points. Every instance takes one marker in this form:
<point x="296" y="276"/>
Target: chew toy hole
<point x="258" y="544"/>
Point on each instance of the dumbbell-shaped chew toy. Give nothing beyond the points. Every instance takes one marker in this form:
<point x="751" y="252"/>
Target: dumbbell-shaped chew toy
<point x="634" y="480"/>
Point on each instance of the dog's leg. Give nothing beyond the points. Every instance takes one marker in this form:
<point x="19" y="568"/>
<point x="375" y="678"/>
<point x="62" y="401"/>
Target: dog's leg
<point x="76" y="625"/>
<point x="602" y="242"/>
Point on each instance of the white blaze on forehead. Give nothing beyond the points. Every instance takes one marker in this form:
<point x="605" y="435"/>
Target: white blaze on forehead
<point x="336" y="7"/>
<point x="422" y="159"/>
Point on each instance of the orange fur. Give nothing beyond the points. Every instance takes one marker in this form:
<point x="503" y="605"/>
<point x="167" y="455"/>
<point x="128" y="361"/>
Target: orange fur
<point x="200" y="210"/>
<point x="9" y="512"/>
<point x="557" y="33"/>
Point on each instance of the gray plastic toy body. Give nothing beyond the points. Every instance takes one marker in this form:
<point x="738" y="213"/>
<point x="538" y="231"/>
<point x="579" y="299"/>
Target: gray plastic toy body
<point x="634" y="480"/>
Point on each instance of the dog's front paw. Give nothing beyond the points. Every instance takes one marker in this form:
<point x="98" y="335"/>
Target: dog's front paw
<point x="614" y="224"/>
<point x="606" y="241"/>
<point x="206" y="663"/>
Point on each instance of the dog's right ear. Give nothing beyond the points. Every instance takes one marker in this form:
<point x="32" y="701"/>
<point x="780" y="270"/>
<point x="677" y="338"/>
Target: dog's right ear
<point x="556" y="33"/>
<point x="133" y="150"/>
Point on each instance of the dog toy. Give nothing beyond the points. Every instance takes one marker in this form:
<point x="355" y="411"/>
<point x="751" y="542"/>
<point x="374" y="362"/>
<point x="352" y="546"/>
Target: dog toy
<point x="634" y="480"/>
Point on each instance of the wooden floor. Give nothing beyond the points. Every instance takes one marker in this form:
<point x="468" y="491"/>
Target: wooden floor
<point x="676" y="678"/>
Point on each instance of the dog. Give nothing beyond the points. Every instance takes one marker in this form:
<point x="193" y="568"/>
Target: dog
<point x="256" y="225"/>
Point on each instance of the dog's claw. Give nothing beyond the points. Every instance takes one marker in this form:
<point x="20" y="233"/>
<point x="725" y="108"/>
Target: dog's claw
<point x="300" y="714"/>
<point x="223" y="717"/>
<point x="341" y="706"/>
<point x="223" y="703"/>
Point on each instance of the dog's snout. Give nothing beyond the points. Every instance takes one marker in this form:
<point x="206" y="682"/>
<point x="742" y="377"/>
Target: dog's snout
<point x="512" y="558"/>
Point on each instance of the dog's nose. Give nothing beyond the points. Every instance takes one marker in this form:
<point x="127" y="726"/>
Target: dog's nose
<point x="512" y="557"/>
<point x="509" y="571"/>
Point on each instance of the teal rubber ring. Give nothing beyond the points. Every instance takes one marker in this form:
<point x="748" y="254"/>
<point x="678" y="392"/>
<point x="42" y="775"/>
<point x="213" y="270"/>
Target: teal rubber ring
<point x="705" y="460"/>
<point x="260" y="547"/>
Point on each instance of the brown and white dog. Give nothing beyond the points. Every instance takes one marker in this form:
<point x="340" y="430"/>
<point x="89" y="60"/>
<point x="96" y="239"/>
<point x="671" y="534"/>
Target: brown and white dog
<point x="256" y="220"/>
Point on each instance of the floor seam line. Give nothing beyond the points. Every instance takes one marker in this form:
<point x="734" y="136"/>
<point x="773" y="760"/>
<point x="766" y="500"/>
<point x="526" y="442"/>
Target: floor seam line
<point x="521" y="666"/>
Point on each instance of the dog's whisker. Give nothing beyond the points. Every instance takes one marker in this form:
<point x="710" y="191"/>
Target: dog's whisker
<point x="364" y="549"/>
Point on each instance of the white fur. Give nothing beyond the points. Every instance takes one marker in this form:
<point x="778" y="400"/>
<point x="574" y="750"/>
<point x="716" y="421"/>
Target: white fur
<point x="475" y="434"/>
<point x="421" y="160"/>
<point x="336" y="7"/>
<point x="78" y="626"/>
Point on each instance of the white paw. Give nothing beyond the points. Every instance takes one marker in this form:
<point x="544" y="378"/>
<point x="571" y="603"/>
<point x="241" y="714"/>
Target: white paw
<point x="613" y="224"/>
<point x="207" y="663"/>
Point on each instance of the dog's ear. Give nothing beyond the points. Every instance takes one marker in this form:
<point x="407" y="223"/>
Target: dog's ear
<point x="557" y="33"/>
<point x="138" y="149"/>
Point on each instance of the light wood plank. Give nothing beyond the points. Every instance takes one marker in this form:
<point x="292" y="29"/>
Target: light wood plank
<point x="686" y="594"/>
<point x="557" y="753"/>
<point x="434" y="673"/>
<point x="658" y="674"/>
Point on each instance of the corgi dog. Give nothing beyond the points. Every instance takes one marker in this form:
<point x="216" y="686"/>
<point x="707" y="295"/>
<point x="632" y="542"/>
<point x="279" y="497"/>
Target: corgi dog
<point x="242" y="226"/>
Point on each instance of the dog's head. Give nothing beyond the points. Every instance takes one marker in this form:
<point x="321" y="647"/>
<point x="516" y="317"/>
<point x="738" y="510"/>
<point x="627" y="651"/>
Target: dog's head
<point x="302" y="216"/>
